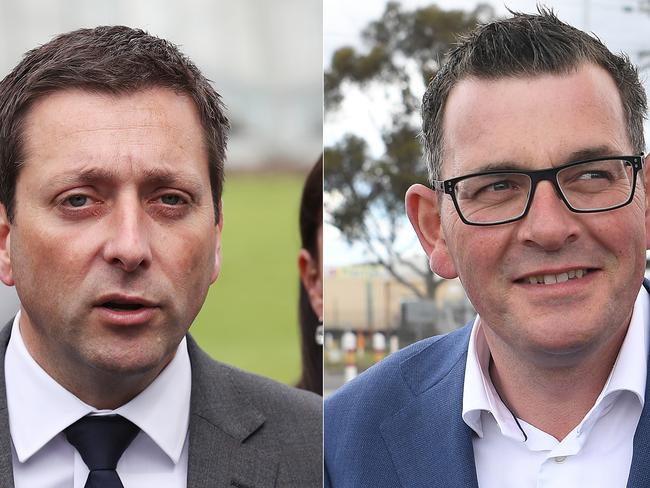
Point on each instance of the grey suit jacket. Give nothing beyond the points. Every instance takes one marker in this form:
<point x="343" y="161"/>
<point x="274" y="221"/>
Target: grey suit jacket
<point x="245" y="431"/>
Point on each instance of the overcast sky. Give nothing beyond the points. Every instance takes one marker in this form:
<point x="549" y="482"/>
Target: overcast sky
<point x="619" y="23"/>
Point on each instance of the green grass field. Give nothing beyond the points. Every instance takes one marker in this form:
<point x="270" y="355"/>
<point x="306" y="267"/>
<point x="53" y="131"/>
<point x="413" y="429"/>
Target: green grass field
<point x="250" y="316"/>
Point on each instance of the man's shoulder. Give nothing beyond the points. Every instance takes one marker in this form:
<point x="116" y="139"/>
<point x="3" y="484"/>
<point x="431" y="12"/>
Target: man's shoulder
<point x="260" y="415"/>
<point x="362" y="416"/>
<point x="273" y="397"/>
<point x="269" y="396"/>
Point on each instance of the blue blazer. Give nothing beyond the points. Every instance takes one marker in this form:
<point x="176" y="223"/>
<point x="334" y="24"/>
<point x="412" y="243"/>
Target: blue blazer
<point x="400" y="423"/>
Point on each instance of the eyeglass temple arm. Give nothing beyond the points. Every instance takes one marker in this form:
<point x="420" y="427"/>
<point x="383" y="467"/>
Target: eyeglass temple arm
<point x="438" y="185"/>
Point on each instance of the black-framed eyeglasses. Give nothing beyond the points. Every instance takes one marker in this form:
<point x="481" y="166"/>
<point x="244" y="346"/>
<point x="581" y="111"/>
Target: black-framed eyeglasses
<point x="503" y="196"/>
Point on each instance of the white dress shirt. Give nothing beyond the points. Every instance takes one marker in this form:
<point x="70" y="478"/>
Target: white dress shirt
<point x="40" y="409"/>
<point x="596" y="453"/>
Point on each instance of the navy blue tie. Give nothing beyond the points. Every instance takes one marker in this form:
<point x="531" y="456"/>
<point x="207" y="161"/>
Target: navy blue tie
<point x="101" y="440"/>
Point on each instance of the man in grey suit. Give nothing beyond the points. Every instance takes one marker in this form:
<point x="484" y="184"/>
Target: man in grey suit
<point x="111" y="152"/>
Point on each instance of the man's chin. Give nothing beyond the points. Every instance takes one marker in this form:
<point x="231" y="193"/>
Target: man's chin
<point x="129" y="362"/>
<point x="562" y="352"/>
<point x="129" y="368"/>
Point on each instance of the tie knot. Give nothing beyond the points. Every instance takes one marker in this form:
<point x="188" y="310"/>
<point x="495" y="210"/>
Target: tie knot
<point x="101" y="440"/>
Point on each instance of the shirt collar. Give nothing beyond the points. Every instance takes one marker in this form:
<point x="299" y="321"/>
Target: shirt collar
<point x="626" y="374"/>
<point x="30" y="388"/>
<point x="479" y="394"/>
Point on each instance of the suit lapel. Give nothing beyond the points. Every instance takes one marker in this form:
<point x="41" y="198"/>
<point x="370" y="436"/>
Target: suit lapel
<point x="221" y="419"/>
<point x="6" y="466"/>
<point x="640" y="468"/>
<point x="429" y="443"/>
<point x="216" y="459"/>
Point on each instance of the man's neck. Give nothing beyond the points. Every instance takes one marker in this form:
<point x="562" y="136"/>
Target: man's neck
<point x="553" y="397"/>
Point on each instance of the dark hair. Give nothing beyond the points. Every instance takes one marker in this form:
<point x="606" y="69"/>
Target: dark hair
<point x="526" y="45"/>
<point x="110" y="59"/>
<point x="311" y="220"/>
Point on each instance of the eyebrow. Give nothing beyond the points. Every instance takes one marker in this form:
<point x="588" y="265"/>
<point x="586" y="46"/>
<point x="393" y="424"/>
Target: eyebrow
<point x="158" y="176"/>
<point x="87" y="176"/>
<point x="578" y="155"/>
<point x="163" y="177"/>
<point x="592" y="153"/>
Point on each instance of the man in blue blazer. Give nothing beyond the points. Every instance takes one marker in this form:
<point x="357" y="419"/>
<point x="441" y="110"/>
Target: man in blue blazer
<point x="533" y="133"/>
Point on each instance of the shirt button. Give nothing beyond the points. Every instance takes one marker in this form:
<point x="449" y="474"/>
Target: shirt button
<point x="559" y="459"/>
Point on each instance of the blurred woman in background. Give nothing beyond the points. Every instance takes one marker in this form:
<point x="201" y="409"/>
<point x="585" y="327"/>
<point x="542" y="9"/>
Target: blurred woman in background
<point x="310" y="265"/>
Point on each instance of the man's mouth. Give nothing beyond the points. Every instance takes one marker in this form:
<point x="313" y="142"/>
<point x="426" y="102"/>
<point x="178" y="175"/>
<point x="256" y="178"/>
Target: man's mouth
<point x="124" y="303"/>
<point x="552" y="279"/>
<point x="120" y="306"/>
<point x="126" y="310"/>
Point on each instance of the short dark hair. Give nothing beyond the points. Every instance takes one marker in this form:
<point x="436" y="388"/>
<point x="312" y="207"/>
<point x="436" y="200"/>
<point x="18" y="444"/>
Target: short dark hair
<point x="311" y="207"/>
<point x="311" y="219"/>
<point x="109" y="59"/>
<point x="526" y="45"/>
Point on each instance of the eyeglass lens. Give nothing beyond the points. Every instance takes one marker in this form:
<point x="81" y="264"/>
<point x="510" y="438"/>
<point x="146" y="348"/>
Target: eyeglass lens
<point x="589" y="186"/>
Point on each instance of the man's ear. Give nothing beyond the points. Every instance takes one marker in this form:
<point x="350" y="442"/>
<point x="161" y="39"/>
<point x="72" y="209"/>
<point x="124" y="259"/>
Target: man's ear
<point x="312" y="280"/>
<point x="217" y="251"/>
<point x="6" y="273"/>
<point x="424" y="213"/>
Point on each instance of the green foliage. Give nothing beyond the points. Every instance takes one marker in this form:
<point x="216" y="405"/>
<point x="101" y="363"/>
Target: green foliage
<point x="399" y="38"/>
<point x="250" y="317"/>
<point x="404" y="49"/>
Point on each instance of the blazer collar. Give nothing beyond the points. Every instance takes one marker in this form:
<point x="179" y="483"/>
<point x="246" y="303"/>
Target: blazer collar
<point x="221" y="419"/>
<point x="6" y="465"/>
<point x="429" y="443"/>
<point x="640" y="468"/>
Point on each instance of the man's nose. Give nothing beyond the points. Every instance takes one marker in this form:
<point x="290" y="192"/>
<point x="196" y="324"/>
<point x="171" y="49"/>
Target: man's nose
<point x="127" y="244"/>
<point x="549" y="223"/>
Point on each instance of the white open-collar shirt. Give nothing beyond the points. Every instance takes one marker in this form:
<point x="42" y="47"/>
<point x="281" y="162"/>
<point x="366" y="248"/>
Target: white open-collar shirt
<point x="40" y="409"/>
<point x="596" y="453"/>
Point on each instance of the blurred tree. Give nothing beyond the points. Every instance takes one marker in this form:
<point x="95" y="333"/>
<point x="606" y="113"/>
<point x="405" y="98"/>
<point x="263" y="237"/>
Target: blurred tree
<point x="644" y="6"/>
<point x="366" y="194"/>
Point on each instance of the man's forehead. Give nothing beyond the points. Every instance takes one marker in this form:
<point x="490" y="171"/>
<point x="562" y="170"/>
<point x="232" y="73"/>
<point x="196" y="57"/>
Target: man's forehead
<point x="69" y="110"/>
<point x="92" y="118"/>
<point x="81" y="136"/>
<point x="550" y="115"/>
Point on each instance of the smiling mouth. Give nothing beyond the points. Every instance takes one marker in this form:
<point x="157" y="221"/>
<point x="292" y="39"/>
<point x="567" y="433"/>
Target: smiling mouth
<point x="552" y="279"/>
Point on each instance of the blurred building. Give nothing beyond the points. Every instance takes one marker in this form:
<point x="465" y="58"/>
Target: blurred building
<point x="363" y="297"/>
<point x="367" y="298"/>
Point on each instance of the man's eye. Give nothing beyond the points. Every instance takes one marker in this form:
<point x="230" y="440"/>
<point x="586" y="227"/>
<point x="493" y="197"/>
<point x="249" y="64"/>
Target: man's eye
<point x="171" y="199"/>
<point x="500" y="186"/>
<point x="594" y="175"/>
<point x="496" y="187"/>
<point x="76" y="200"/>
